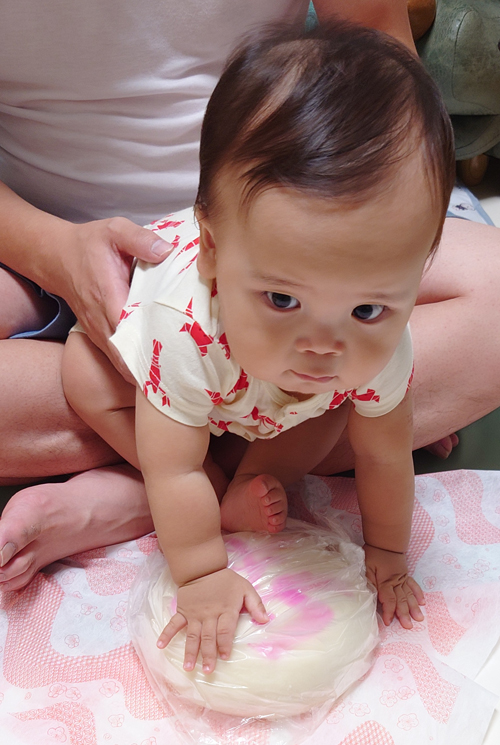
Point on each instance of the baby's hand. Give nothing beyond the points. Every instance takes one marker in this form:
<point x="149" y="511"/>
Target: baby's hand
<point x="209" y="607"/>
<point x="398" y="593"/>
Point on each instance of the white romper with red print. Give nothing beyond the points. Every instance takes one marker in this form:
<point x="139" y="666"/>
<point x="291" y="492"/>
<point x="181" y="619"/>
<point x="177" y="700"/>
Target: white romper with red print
<point x="173" y="342"/>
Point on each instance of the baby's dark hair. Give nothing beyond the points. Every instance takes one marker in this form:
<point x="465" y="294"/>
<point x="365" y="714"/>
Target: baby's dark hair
<point x="329" y="112"/>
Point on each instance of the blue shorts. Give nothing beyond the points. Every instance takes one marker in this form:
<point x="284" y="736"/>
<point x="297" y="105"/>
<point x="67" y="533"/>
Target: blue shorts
<point x="62" y="320"/>
<point x="463" y="204"/>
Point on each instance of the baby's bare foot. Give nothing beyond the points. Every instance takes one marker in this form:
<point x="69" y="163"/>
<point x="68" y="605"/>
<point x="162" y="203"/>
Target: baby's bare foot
<point x="47" y="522"/>
<point x="256" y="503"/>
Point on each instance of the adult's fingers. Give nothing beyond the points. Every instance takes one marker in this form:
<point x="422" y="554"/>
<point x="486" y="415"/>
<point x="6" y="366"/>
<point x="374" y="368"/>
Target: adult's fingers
<point x="136" y="241"/>
<point x="95" y="282"/>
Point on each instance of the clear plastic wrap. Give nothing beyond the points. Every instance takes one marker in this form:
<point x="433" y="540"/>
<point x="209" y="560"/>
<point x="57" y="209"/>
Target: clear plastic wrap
<point x="286" y="673"/>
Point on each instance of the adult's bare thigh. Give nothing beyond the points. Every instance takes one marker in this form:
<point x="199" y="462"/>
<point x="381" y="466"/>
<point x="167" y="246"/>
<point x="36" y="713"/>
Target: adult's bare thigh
<point x="454" y="329"/>
<point x="40" y="434"/>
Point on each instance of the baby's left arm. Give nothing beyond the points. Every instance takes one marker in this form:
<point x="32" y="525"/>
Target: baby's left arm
<point x="385" y="484"/>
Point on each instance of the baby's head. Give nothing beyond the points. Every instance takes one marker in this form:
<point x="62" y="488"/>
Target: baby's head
<point x="327" y="163"/>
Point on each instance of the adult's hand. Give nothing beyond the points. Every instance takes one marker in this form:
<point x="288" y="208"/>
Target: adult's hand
<point x="87" y="264"/>
<point x="95" y="277"/>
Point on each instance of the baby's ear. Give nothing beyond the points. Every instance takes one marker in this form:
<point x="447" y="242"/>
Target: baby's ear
<point x="206" y="257"/>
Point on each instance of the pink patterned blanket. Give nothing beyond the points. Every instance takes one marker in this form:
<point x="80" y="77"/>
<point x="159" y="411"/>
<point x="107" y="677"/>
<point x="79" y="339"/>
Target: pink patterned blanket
<point x="69" y="673"/>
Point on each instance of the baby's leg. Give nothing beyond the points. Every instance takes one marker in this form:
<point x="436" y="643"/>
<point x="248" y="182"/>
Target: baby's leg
<point x="100" y="395"/>
<point x="256" y="498"/>
<point x="106" y="402"/>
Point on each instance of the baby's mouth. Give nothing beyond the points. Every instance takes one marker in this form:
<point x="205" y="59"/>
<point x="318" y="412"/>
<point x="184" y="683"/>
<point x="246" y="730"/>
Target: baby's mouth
<point x="314" y="378"/>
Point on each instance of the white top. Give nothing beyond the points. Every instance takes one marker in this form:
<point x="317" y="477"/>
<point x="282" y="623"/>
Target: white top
<point x="172" y="339"/>
<point x="101" y="101"/>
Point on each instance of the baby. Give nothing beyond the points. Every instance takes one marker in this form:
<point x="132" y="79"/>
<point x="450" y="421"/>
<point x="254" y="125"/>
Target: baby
<point x="281" y="317"/>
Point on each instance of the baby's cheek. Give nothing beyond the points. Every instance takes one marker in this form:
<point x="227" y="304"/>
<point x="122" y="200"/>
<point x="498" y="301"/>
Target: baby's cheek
<point x="257" y="351"/>
<point x="370" y="360"/>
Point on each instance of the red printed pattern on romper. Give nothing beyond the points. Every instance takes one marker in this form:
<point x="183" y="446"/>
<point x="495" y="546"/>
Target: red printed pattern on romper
<point x="241" y="384"/>
<point x="202" y="339"/>
<point x="410" y="379"/>
<point x="222" y="340"/>
<point x="224" y="426"/>
<point x="215" y="397"/>
<point x="166" y="223"/>
<point x="339" y="398"/>
<point x="154" y="379"/>
<point x="265" y="420"/>
<point x="191" y="261"/>
<point x="128" y="310"/>
<point x="189" y="245"/>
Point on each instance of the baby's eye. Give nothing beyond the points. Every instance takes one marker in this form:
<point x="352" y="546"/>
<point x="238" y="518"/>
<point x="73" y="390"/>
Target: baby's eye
<point x="368" y="312"/>
<point x="282" y="302"/>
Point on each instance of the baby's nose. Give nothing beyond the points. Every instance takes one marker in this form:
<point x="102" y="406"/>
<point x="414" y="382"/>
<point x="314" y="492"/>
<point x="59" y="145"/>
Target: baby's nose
<point x="322" y="341"/>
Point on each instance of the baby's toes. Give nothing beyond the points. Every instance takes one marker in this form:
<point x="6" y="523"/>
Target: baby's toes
<point x="274" y="508"/>
<point x="276" y="520"/>
<point x="273" y="501"/>
<point x="276" y="526"/>
<point x="261" y="486"/>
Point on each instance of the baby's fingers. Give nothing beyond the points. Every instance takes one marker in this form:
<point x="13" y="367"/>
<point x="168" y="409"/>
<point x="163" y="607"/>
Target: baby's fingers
<point x="403" y="606"/>
<point x="408" y="604"/>
<point x="417" y="590"/>
<point x="388" y="601"/>
<point x="172" y="628"/>
<point x="226" y="629"/>
<point x="255" y="606"/>
<point x="193" y="643"/>
<point x="415" y="598"/>
<point x="208" y="646"/>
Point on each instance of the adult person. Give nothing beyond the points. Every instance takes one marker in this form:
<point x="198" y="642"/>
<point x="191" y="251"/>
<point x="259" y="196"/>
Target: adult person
<point x="100" y="109"/>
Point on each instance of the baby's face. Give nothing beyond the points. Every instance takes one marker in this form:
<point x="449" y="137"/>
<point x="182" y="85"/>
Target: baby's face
<point x="313" y="296"/>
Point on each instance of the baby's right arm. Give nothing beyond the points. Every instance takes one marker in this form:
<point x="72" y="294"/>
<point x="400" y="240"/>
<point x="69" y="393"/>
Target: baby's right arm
<point x="186" y="516"/>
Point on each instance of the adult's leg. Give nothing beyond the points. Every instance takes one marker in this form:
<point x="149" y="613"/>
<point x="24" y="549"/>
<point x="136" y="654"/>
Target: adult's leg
<point x="47" y="522"/>
<point x="454" y="328"/>
<point x="457" y="346"/>
<point x="40" y="434"/>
